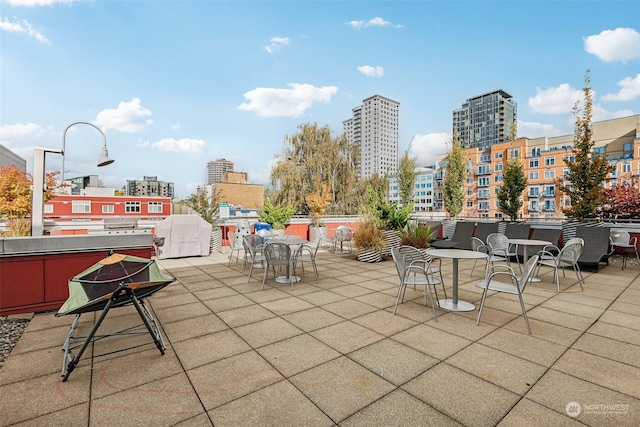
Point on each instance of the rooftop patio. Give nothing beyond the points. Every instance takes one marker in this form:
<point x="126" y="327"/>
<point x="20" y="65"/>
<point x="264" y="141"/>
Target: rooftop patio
<point x="333" y="353"/>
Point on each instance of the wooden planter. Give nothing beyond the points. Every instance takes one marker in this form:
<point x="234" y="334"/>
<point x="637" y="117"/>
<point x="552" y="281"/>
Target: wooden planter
<point x="369" y="255"/>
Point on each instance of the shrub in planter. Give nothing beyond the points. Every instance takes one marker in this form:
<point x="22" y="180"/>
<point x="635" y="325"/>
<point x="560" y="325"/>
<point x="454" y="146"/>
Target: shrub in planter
<point x="417" y="235"/>
<point x="275" y="215"/>
<point x="369" y="239"/>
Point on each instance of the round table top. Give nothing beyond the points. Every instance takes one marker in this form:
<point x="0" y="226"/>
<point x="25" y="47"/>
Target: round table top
<point x="456" y="253"/>
<point x="530" y="242"/>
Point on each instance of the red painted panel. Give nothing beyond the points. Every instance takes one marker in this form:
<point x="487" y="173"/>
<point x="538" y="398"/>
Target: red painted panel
<point x="21" y="281"/>
<point x="40" y="282"/>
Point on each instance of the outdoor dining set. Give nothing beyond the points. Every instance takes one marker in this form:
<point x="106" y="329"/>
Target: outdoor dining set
<point x="485" y="242"/>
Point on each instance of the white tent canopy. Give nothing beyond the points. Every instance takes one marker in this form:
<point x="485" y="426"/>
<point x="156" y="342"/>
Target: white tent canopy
<point x="184" y="235"/>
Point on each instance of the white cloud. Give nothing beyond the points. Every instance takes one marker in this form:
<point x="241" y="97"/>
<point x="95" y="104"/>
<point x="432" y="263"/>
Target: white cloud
<point x="370" y="71"/>
<point x="263" y="176"/>
<point x="186" y="145"/>
<point x="20" y="130"/>
<point x="629" y="90"/>
<point x="175" y="126"/>
<point x="30" y="3"/>
<point x="373" y="22"/>
<point x="600" y="114"/>
<point x="555" y="100"/>
<point x="129" y="117"/>
<point x="143" y="143"/>
<point x="427" y="147"/>
<point x="621" y="44"/>
<point x="22" y="27"/>
<point x="292" y="102"/>
<point x="538" y="130"/>
<point x="276" y="43"/>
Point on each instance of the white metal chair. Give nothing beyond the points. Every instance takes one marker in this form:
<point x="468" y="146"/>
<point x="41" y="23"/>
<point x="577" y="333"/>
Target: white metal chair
<point x="236" y="246"/>
<point x="253" y="247"/>
<point x="498" y="244"/>
<point x="515" y="285"/>
<point x="413" y="269"/>
<point x="343" y="237"/>
<point x="307" y="253"/>
<point x="278" y="255"/>
<point x="623" y="240"/>
<point x="566" y="257"/>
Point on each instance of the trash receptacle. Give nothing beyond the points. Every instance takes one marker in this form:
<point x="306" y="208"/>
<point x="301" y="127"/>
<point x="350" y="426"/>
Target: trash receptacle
<point x="261" y="226"/>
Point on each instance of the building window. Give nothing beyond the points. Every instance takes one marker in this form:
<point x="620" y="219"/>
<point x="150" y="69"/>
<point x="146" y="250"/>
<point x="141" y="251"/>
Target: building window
<point x="469" y="203"/>
<point x="132" y="207"/>
<point x="534" y="175"/>
<point x="498" y="177"/>
<point x="549" y="190"/>
<point x="515" y="153"/>
<point x="498" y="166"/>
<point x="626" y="167"/>
<point x="534" y="191"/>
<point x="549" y="174"/>
<point x="534" y="163"/>
<point x="498" y="155"/>
<point x="484" y="181"/>
<point x="81" y="206"/>
<point x="155" y="207"/>
<point x="107" y="209"/>
<point x="549" y="161"/>
<point x="48" y="208"/>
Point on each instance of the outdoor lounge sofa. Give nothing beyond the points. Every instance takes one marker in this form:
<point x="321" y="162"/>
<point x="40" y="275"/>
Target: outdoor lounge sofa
<point x="483" y="229"/>
<point x="461" y="238"/>
<point x="597" y="246"/>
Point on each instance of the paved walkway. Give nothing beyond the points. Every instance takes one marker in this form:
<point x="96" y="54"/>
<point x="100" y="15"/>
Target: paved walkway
<point x="332" y="353"/>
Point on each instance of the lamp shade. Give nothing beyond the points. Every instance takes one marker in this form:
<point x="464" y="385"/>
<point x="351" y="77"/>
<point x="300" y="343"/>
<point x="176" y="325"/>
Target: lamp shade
<point x="104" y="159"/>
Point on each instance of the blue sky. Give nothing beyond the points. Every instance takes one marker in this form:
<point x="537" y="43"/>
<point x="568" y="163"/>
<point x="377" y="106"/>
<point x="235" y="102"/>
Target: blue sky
<point x="175" y="84"/>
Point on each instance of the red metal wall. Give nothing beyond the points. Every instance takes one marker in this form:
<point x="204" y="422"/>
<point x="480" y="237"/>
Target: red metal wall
<point x="39" y="282"/>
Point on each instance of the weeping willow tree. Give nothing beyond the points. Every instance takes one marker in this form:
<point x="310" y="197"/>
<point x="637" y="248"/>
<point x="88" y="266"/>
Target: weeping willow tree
<point x="313" y="158"/>
<point x="453" y="192"/>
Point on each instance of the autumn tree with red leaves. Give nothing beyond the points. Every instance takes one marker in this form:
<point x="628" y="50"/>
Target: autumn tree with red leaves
<point x="621" y="202"/>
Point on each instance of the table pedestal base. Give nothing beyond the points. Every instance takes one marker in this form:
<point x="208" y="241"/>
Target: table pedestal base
<point x="448" y="304"/>
<point x="285" y="279"/>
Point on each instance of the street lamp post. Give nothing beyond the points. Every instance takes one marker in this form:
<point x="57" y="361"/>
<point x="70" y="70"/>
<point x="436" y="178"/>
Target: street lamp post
<point x="37" y="198"/>
<point x="103" y="160"/>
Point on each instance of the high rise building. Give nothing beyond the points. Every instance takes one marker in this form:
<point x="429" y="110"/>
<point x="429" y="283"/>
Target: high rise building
<point x="150" y="186"/>
<point x="485" y="120"/>
<point x="374" y="126"/>
<point x="216" y="170"/>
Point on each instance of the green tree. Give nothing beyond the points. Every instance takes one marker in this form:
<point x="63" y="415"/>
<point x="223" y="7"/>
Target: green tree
<point x="588" y="170"/>
<point x="514" y="182"/>
<point x="15" y="198"/>
<point x="407" y="178"/>
<point x="275" y="214"/>
<point x="453" y="182"/>
<point x="204" y="204"/>
<point x="311" y="158"/>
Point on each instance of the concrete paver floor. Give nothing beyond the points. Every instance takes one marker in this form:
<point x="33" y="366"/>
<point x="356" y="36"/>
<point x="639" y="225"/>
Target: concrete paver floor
<point x="332" y="353"/>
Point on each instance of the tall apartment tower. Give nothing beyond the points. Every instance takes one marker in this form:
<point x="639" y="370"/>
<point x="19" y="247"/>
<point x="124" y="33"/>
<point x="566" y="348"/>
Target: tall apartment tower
<point x="374" y="126"/>
<point x="216" y="170"/>
<point x="485" y="120"/>
<point x="150" y="186"/>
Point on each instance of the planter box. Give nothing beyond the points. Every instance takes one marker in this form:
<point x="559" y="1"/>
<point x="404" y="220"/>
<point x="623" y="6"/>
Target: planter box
<point x="34" y="271"/>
